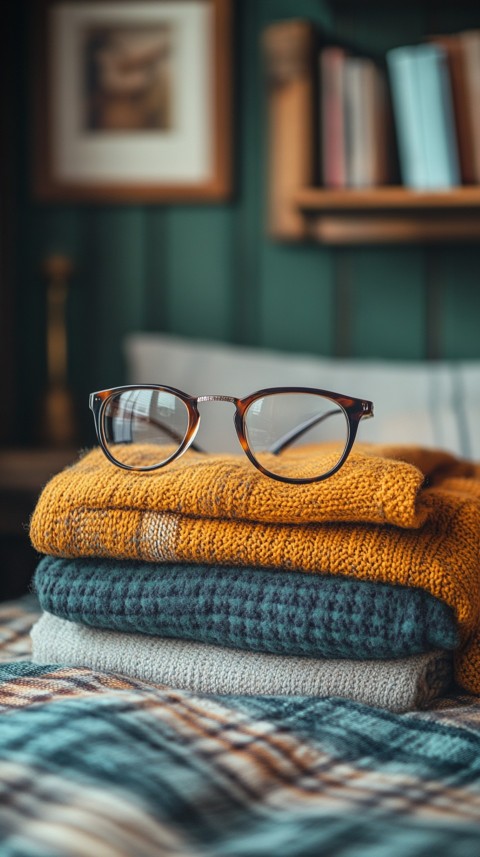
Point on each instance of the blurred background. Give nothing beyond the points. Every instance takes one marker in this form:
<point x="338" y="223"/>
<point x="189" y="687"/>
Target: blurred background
<point x="80" y="270"/>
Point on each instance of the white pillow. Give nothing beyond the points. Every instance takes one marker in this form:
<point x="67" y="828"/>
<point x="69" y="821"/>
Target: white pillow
<point x="415" y="402"/>
<point x="466" y="393"/>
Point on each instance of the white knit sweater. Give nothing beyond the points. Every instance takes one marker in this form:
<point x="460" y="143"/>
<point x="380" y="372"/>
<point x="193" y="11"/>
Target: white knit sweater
<point x="396" y="685"/>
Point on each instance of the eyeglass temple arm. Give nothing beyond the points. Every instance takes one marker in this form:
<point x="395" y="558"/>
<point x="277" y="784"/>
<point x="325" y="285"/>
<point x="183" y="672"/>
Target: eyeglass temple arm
<point x="297" y="432"/>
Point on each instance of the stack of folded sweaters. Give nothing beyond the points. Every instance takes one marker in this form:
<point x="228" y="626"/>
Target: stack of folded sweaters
<point x="207" y="575"/>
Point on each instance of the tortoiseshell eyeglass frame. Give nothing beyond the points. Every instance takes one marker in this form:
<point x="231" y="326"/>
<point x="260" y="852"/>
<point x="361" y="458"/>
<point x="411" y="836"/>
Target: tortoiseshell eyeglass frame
<point x="354" y="410"/>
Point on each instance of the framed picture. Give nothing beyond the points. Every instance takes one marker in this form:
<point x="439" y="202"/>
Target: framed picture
<point x="133" y="100"/>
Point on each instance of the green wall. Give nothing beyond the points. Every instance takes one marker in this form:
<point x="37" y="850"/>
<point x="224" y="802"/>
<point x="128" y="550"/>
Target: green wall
<point x="209" y="271"/>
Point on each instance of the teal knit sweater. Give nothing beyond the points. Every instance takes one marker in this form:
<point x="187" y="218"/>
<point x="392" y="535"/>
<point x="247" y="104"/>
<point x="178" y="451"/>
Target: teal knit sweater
<point x="270" y="611"/>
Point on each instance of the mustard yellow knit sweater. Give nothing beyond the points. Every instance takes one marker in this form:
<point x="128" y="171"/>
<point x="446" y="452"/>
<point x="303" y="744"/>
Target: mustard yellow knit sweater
<point x="402" y="515"/>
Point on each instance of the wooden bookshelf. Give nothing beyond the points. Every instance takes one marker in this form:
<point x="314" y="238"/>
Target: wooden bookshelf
<point x="390" y="214"/>
<point x="387" y="198"/>
<point x="297" y="210"/>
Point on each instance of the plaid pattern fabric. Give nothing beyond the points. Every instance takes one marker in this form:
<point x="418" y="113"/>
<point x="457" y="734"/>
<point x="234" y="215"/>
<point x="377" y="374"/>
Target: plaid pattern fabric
<point x="94" y="763"/>
<point x="16" y="619"/>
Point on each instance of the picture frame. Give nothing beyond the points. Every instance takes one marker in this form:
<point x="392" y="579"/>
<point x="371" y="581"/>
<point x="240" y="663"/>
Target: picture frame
<point x="133" y="101"/>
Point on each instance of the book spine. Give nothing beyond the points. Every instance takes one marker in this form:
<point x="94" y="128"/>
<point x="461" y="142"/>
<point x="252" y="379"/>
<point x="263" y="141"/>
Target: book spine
<point x="381" y="130"/>
<point x="366" y="123"/>
<point x="332" y="117"/>
<point x="452" y="45"/>
<point x="407" y="116"/>
<point x="470" y="43"/>
<point x="358" y="153"/>
<point x="437" y="118"/>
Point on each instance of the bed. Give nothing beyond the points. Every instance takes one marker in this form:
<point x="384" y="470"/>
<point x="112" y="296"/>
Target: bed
<point x="98" y="763"/>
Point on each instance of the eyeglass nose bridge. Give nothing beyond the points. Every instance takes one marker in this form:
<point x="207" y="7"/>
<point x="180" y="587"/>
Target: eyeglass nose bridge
<point x="237" y="418"/>
<point x="217" y="399"/>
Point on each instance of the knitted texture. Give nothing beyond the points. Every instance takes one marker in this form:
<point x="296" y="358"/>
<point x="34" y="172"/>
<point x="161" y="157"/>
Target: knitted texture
<point x="396" y="685"/>
<point x="280" y="612"/>
<point x="377" y="484"/>
<point x="96" y="509"/>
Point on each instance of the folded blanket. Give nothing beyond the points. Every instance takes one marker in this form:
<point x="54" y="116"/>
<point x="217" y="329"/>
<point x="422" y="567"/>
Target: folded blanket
<point x="96" y="509"/>
<point x="397" y="685"/>
<point x="282" y="612"/>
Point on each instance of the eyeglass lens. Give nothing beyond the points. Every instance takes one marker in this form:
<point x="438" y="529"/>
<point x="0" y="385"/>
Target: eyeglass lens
<point x="278" y="426"/>
<point x="144" y="428"/>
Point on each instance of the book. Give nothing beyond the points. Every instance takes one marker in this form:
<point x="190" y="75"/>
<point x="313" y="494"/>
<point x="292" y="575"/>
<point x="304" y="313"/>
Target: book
<point x="366" y="123"/>
<point x="424" y="118"/>
<point x="332" y="114"/>
<point x="438" y="124"/>
<point x="470" y="47"/>
<point x="384" y="154"/>
<point x="357" y="142"/>
<point x="456" y="61"/>
<point x="407" y="116"/>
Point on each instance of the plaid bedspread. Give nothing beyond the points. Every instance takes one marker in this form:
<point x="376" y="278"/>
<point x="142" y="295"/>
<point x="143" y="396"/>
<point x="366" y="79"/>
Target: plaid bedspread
<point x="99" y="765"/>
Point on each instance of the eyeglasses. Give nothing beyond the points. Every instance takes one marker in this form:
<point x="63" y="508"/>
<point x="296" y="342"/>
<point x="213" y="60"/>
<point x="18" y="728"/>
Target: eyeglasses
<point x="145" y="427"/>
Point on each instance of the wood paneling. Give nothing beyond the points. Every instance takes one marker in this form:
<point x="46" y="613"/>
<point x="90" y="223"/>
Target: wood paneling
<point x="199" y="266"/>
<point x="211" y="271"/>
